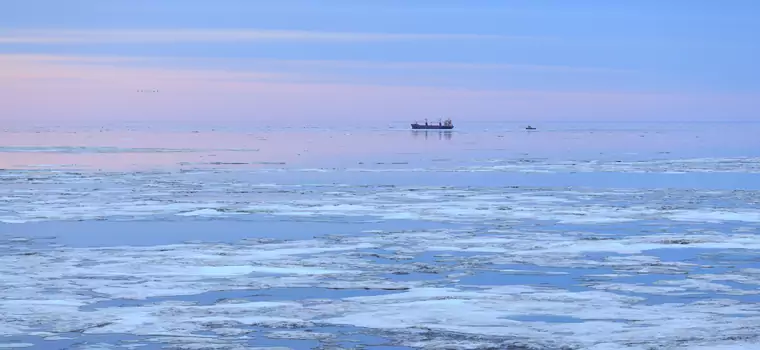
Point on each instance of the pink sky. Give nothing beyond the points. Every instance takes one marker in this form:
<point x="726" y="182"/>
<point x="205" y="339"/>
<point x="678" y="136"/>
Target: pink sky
<point x="58" y="88"/>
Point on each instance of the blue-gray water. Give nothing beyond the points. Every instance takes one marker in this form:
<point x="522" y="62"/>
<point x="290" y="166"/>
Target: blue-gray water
<point x="582" y="236"/>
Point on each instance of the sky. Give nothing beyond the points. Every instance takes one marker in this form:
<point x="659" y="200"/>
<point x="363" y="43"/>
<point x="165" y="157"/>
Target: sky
<point x="379" y="61"/>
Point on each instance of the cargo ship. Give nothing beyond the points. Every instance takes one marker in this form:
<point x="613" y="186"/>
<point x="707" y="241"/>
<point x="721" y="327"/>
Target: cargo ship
<point x="446" y="124"/>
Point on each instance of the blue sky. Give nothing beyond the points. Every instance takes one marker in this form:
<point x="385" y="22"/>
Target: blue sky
<point x="590" y="59"/>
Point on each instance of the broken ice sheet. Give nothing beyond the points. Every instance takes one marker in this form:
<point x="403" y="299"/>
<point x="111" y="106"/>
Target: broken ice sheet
<point x="518" y="312"/>
<point x="533" y="266"/>
<point x="172" y="196"/>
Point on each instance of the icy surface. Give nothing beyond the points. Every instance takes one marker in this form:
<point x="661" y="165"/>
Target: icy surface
<point x="546" y="166"/>
<point x="88" y="196"/>
<point x="86" y="290"/>
<point x="385" y="253"/>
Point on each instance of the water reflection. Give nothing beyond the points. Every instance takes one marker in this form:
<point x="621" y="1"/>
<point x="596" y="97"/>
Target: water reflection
<point x="440" y="134"/>
<point x="120" y="149"/>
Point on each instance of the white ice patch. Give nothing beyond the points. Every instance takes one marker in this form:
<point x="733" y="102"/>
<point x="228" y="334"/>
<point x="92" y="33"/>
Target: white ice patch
<point x="225" y="270"/>
<point x="297" y="270"/>
<point x="716" y="216"/>
<point x="16" y="345"/>
<point x="244" y="270"/>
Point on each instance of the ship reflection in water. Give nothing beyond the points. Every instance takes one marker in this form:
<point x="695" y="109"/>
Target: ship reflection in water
<point x="441" y="134"/>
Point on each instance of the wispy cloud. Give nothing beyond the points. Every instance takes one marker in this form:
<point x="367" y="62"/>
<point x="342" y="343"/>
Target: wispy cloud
<point x="22" y="57"/>
<point x="17" y="69"/>
<point x="275" y="64"/>
<point x="230" y="35"/>
<point x="422" y="65"/>
<point x="181" y="73"/>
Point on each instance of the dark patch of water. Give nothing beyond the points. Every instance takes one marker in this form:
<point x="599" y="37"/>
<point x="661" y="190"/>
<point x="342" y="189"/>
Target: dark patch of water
<point x="737" y="285"/>
<point x="150" y="232"/>
<point x="295" y="344"/>
<point x="718" y="257"/>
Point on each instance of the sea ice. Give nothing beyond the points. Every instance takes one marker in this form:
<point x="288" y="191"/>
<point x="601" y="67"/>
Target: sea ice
<point x="611" y="269"/>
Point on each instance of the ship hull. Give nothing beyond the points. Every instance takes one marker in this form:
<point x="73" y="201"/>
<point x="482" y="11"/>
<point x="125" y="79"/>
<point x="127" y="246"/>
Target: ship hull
<point x="432" y="127"/>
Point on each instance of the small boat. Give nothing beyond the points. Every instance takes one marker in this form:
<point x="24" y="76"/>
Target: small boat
<point x="446" y="124"/>
<point x="530" y="128"/>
